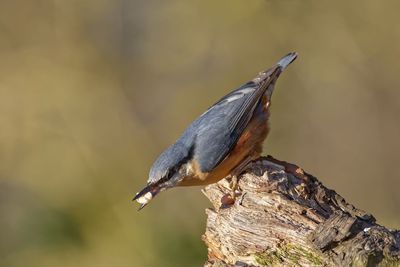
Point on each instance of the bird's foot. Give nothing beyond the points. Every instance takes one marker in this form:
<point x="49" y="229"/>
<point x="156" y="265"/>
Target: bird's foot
<point x="233" y="186"/>
<point x="229" y="198"/>
<point x="227" y="201"/>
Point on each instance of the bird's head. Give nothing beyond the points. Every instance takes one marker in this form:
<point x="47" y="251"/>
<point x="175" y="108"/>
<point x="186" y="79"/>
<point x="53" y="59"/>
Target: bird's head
<point x="167" y="172"/>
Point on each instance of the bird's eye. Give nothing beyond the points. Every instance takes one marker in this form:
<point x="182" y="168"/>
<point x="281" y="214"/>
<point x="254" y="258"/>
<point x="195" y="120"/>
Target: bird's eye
<point x="170" y="173"/>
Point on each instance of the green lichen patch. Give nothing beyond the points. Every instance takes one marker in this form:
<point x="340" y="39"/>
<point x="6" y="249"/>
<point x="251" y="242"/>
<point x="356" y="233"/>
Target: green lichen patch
<point x="390" y="262"/>
<point x="289" y="254"/>
<point x="268" y="258"/>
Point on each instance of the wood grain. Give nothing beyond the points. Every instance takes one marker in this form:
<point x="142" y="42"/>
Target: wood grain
<point x="286" y="217"/>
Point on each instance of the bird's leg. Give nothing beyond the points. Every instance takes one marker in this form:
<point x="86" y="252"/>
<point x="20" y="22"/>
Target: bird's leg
<point x="234" y="180"/>
<point x="233" y="185"/>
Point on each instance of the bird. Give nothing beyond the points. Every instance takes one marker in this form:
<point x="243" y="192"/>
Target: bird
<point x="221" y="142"/>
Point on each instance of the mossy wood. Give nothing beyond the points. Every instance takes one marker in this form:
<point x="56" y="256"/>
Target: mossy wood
<point x="286" y="217"/>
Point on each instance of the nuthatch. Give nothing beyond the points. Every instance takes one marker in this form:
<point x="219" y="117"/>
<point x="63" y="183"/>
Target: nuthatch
<point x="221" y="142"/>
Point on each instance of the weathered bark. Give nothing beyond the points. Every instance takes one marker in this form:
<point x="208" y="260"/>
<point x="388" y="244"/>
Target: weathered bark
<point x="285" y="217"/>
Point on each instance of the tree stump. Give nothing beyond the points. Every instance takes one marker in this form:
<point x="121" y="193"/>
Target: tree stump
<point x="286" y="217"/>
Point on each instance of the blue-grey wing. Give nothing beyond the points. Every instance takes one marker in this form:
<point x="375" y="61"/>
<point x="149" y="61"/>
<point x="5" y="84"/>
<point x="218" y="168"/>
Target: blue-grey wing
<point x="220" y="127"/>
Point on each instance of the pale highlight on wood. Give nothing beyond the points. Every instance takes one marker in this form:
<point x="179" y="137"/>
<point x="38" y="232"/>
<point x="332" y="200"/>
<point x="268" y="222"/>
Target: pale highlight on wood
<point x="286" y="217"/>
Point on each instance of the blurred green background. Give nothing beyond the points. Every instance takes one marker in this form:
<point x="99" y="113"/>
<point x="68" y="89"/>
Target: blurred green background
<point x="92" y="91"/>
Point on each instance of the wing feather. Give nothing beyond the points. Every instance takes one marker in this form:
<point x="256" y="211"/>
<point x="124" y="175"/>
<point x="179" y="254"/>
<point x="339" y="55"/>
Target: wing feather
<point x="220" y="127"/>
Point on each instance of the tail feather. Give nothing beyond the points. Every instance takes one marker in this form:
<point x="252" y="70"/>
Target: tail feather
<point x="286" y="60"/>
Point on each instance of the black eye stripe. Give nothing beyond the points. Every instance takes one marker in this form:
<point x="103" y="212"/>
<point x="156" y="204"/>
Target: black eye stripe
<point x="171" y="172"/>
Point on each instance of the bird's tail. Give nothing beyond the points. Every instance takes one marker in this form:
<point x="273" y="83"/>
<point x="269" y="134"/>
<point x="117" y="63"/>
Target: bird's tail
<point x="286" y="60"/>
<point x="267" y="79"/>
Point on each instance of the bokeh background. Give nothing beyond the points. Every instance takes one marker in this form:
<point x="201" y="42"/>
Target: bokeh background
<point x="92" y="91"/>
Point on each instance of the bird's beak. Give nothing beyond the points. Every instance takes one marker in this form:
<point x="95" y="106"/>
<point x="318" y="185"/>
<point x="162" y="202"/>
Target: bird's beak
<point x="142" y="206"/>
<point x="144" y="199"/>
<point x="146" y="195"/>
<point x="150" y="191"/>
